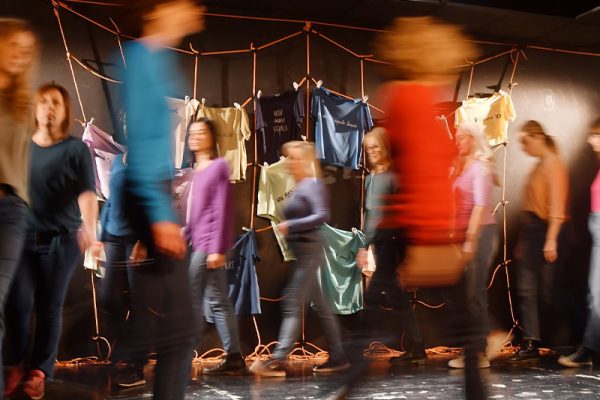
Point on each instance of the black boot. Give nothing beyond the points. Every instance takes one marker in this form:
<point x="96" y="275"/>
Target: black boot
<point x="415" y="356"/>
<point x="528" y="352"/>
<point x="232" y="364"/>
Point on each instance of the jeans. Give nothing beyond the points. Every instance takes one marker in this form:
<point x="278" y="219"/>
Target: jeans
<point x="13" y="225"/>
<point x="211" y="285"/>
<point x="591" y="337"/>
<point x="161" y="310"/>
<point x="389" y="252"/>
<point x="535" y="276"/>
<point x="303" y="288"/>
<point x="477" y="274"/>
<point x="40" y="285"/>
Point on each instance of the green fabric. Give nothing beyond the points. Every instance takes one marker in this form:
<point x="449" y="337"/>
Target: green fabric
<point x="340" y="279"/>
<point x="274" y="188"/>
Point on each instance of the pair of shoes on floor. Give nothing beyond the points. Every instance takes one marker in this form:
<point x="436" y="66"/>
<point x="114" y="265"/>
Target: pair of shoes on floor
<point x="527" y="352"/>
<point x="232" y="364"/>
<point x="268" y="368"/>
<point x="12" y="379"/>
<point x="495" y="341"/>
<point x="331" y="366"/>
<point x="459" y="362"/>
<point x="33" y="387"/>
<point x="582" y="357"/>
<point x="130" y="376"/>
<point x="418" y="358"/>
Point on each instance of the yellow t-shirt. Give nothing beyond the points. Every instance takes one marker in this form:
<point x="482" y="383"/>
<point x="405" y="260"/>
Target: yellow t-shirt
<point x="493" y="112"/>
<point x="233" y="130"/>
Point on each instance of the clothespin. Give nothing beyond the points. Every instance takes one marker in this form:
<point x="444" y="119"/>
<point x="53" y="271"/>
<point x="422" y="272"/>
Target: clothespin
<point x="245" y="228"/>
<point x="91" y="121"/>
<point x="203" y="101"/>
<point x="187" y="99"/>
<point x="258" y="94"/>
<point x="319" y="83"/>
<point x="237" y="105"/>
<point x="303" y="137"/>
<point x="365" y="99"/>
<point x="295" y="85"/>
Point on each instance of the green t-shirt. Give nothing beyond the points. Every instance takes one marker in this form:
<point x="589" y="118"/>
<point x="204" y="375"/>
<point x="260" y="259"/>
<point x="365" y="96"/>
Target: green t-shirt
<point x="274" y="188"/>
<point x="340" y="279"/>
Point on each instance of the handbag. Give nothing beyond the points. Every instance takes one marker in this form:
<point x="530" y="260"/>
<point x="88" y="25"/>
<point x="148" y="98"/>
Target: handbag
<point x="433" y="265"/>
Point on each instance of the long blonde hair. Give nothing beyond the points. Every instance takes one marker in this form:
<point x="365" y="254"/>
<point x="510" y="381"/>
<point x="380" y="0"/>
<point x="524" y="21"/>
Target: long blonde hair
<point x="379" y="135"/>
<point x="424" y="49"/>
<point x="17" y="96"/>
<point x="475" y="130"/>
<point x="309" y="155"/>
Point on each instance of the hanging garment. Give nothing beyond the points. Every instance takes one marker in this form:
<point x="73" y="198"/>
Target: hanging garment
<point x="183" y="114"/>
<point x="275" y="186"/>
<point x="340" y="279"/>
<point x="103" y="149"/>
<point x="493" y="112"/>
<point x="340" y="125"/>
<point x="233" y="129"/>
<point x="182" y="183"/>
<point x="279" y="120"/>
<point x="244" y="291"/>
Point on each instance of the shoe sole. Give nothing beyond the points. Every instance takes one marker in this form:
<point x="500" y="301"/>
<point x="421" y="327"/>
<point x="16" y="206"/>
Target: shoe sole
<point x="418" y="362"/>
<point x="330" y="370"/>
<point x="227" y="373"/>
<point x="132" y="384"/>
<point x="35" y="397"/>
<point x="565" y="362"/>
<point x="266" y="372"/>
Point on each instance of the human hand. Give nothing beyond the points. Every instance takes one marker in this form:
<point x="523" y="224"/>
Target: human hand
<point x="550" y="250"/>
<point x="283" y="228"/>
<point x="167" y="238"/>
<point x="362" y="258"/>
<point x="139" y="252"/>
<point x="215" y="260"/>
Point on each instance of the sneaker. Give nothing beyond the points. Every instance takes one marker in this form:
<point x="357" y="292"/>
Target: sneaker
<point x="459" y="362"/>
<point x="13" y="379"/>
<point x="35" y="386"/>
<point x="232" y="364"/>
<point x="495" y="341"/>
<point x="332" y="365"/>
<point x="582" y="357"/>
<point x="529" y="352"/>
<point x="271" y="368"/>
<point x="130" y="377"/>
<point x="410" y="358"/>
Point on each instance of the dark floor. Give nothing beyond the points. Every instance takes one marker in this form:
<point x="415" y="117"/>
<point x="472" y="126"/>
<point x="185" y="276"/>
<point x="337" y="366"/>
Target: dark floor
<point x="541" y="380"/>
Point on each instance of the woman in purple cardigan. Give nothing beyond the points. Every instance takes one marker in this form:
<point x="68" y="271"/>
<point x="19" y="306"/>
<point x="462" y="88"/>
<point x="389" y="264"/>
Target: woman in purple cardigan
<point x="209" y="230"/>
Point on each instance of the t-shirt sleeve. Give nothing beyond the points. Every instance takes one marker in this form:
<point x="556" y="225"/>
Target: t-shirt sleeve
<point x="260" y="122"/>
<point x="245" y="124"/>
<point x="314" y="104"/>
<point x="482" y="186"/>
<point x="509" y="109"/>
<point x="367" y="116"/>
<point x="86" y="177"/>
<point x="299" y="110"/>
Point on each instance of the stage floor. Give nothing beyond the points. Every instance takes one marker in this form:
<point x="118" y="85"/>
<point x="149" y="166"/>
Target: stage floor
<point x="541" y="380"/>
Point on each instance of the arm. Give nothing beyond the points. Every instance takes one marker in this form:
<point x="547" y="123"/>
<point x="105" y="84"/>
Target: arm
<point x="482" y="192"/>
<point x="220" y="220"/>
<point x="88" y="205"/>
<point x="556" y="178"/>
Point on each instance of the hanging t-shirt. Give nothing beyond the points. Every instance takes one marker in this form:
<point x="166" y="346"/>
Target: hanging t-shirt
<point x="182" y="182"/>
<point x="244" y="292"/>
<point x="183" y="114"/>
<point x="233" y="129"/>
<point x="493" y="112"/>
<point x="275" y="186"/>
<point x="340" y="279"/>
<point x="279" y="120"/>
<point x="340" y="125"/>
<point x="103" y="149"/>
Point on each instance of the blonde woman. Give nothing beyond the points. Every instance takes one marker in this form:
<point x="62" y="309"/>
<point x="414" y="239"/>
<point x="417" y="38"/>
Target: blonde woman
<point x="544" y="212"/>
<point x="473" y="184"/>
<point x="305" y="212"/>
<point x="18" y="56"/>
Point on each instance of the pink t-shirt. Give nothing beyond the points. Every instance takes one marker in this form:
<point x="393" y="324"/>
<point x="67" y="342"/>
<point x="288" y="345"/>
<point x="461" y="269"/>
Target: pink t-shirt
<point x="595" y="190"/>
<point x="474" y="188"/>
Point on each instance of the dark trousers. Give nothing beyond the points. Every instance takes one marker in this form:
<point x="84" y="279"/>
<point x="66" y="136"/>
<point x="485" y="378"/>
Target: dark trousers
<point x="40" y="285"/>
<point x="383" y="290"/>
<point x="161" y="307"/>
<point x="13" y="224"/>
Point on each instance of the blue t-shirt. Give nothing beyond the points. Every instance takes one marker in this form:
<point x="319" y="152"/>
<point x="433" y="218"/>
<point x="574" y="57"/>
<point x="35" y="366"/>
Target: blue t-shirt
<point x="150" y="76"/>
<point x="340" y="125"/>
<point x="113" y="219"/>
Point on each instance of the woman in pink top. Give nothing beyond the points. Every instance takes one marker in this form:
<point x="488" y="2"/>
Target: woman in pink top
<point x="591" y="338"/>
<point x="473" y="185"/>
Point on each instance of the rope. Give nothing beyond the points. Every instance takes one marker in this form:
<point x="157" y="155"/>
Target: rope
<point x="364" y="153"/>
<point x="195" y="69"/>
<point x="336" y="43"/>
<point x="307" y="27"/>
<point x="92" y="71"/>
<point x="470" y="81"/>
<point x="118" y="35"/>
<point x="62" y="34"/>
<point x="264" y="46"/>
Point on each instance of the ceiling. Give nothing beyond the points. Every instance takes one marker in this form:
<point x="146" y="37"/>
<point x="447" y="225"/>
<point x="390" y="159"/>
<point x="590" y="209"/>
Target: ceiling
<point x="568" y="24"/>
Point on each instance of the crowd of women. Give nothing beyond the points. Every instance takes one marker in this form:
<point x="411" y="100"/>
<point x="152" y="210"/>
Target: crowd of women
<point x="48" y="214"/>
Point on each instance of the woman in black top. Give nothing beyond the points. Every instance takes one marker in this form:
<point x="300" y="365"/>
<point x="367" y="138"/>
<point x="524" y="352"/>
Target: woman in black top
<point x="64" y="213"/>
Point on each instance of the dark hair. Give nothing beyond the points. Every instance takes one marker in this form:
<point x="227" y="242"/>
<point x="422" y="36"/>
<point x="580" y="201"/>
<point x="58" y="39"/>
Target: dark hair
<point x="533" y="128"/>
<point x="212" y="128"/>
<point x="42" y="90"/>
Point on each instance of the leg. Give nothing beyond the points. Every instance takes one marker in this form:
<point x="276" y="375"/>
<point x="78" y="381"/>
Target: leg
<point x="225" y="319"/>
<point x="56" y="270"/>
<point x="198" y="281"/>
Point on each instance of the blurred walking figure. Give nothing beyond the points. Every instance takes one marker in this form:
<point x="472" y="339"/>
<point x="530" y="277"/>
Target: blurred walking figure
<point x="305" y="212"/>
<point x="591" y="338"/>
<point x="18" y="59"/>
<point x="544" y="214"/>
<point x="160" y="293"/>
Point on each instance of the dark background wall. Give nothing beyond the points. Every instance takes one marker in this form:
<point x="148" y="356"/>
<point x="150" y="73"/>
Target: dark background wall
<point x="560" y="90"/>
